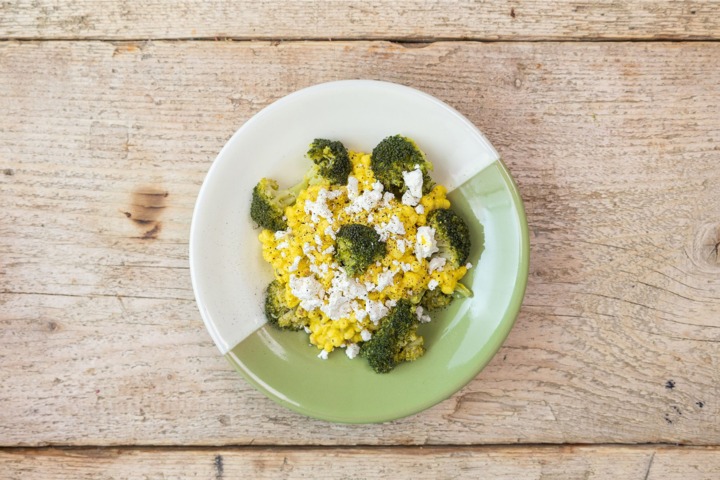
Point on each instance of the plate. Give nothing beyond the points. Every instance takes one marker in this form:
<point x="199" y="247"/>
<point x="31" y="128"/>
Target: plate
<point x="229" y="274"/>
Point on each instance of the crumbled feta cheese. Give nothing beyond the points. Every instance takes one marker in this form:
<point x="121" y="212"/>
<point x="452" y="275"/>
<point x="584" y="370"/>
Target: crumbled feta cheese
<point x="318" y="240"/>
<point x="330" y="232"/>
<point x="420" y="209"/>
<point x="352" y="350"/>
<point x="323" y="355"/>
<point x="328" y="251"/>
<point x="377" y="264"/>
<point x="333" y="194"/>
<point x="387" y="198"/>
<point x="436" y="263"/>
<point x="367" y="201"/>
<point x="371" y="218"/>
<point x="365" y="334"/>
<point x="433" y="284"/>
<point x="376" y="310"/>
<point x="414" y="183"/>
<point x="406" y="267"/>
<point x="369" y="286"/>
<point x="307" y="248"/>
<point x="337" y="307"/>
<point x="319" y="207"/>
<point x="422" y="317"/>
<point x="394" y="226"/>
<point x="468" y="266"/>
<point x="385" y="279"/>
<point x="343" y="291"/>
<point x="281" y="233"/>
<point x="309" y="291"/>
<point x="352" y="187"/>
<point x="360" y="314"/>
<point x="294" y="266"/>
<point x="282" y="245"/>
<point x="425" y="244"/>
<point x="390" y="303"/>
<point x="307" y="330"/>
<point x="283" y="254"/>
<point x="401" y="245"/>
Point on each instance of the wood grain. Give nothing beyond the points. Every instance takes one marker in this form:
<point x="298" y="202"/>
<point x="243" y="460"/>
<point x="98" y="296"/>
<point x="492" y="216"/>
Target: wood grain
<point x="103" y="148"/>
<point x="347" y="19"/>
<point x="511" y="463"/>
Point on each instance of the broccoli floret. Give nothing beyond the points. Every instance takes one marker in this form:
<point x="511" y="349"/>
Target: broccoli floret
<point x="268" y="203"/>
<point x="436" y="299"/>
<point x="395" y="155"/>
<point x="331" y="160"/>
<point x="277" y="311"/>
<point x="358" y="246"/>
<point x="396" y="340"/>
<point x="451" y="234"/>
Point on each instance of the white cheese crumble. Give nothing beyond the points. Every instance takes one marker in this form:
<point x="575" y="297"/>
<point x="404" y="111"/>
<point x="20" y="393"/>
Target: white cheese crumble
<point x="390" y="303"/>
<point x="425" y="244"/>
<point x="420" y="209"/>
<point x="352" y="350"/>
<point x="309" y="291"/>
<point x="282" y="245"/>
<point x="393" y="227"/>
<point x="359" y="311"/>
<point x="328" y="251"/>
<point x="436" y="263"/>
<point x="343" y="291"/>
<point x="387" y="198"/>
<point x="406" y="267"/>
<point x="385" y="279"/>
<point x="421" y="315"/>
<point x="352" y="187"/>
<point x="369" y="286"/>
<point x="401" y="245"/>
<point x="365" y="335"/>
<point x="281" y="233"/>
<point x="413" y="183"/>
<point x="323" y="355"/>
<point x="319" y="207"/>
<point x="368" y="200"/>
<point x="294" y="266"/>
<point x="337" y="307"/>
<point x="307" y="248"/>
<point x="330" y="232"/>
<point x="433" y="284"/>
<point x="307" y="329"/>
<point x="468" y="266"/>
<point x="375" y="310"/>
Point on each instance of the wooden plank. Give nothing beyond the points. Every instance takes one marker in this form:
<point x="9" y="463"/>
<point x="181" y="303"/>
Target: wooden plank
<point x="614" y="147"/>
<point x="512" y="463"/>
<point x="346" y="19"/>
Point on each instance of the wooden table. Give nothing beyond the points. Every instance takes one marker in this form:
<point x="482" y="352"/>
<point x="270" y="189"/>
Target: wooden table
<point x="607" y="113"/>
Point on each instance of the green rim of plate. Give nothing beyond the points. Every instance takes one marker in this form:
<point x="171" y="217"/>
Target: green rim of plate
<point x="460" y="340"/>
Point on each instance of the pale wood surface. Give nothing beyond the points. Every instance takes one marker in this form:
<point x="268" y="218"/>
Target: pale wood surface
<point x="509" y="463"/>
<point x="107" y="132"/>
<point x="615" y="150"/>
<point x="345" y="19"/>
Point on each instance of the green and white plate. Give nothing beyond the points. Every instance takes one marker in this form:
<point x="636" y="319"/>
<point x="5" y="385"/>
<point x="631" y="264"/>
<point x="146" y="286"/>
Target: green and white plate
<point x="229" y="274"/>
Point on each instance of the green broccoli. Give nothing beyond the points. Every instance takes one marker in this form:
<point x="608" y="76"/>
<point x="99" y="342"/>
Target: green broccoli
<point x="396" y="340"/>
<point x="358" y="246"/>
<point x="331" y="160"/>
<point x="267" y="208"/>
<point x="436" y="299"/>
<point x="451" y="234"/>
<point x="395" y="155"/>
<point x="277" y="312"/>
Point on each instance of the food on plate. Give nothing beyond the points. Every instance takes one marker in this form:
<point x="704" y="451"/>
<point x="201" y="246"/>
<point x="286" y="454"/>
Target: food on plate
<point x="362" y="249"/>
